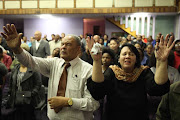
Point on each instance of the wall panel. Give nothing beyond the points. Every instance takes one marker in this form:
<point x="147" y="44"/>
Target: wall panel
<point x="122" y="3"/>
<point x="12" y="4"/>
<point x="84" y="3"/>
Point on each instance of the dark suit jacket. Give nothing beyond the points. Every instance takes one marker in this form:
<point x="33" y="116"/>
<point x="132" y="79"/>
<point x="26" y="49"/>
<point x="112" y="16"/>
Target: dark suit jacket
<point x="43" y="50"/>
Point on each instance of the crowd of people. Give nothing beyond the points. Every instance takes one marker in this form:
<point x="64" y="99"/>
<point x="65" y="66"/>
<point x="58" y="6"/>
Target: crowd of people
<point x="130" y="78"/>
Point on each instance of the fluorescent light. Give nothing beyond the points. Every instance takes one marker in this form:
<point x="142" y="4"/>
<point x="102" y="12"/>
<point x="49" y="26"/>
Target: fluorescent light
<point x="46" y="16"/>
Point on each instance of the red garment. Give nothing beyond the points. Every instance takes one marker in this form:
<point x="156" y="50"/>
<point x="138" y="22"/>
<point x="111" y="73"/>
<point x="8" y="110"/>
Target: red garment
<point x="176" y="60"/>
<point x="145" y="40"/>
<point x="7" y="61"/>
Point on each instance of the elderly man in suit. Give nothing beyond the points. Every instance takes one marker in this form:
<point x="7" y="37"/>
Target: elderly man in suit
<point x="40" y="48"/>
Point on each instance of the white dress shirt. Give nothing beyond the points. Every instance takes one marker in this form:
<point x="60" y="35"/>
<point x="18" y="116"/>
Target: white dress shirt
<point x="78" y="73"/>
<point x="37" y="44"/>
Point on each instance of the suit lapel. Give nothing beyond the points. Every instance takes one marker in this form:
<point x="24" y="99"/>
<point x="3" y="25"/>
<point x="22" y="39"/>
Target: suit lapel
<point x="34" y="46"/>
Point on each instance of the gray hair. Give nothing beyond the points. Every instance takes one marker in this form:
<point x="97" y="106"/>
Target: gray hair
<point x="76" y="38"/>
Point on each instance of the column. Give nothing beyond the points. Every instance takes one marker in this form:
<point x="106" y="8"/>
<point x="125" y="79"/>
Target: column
<point x="137" y="25"/>
<point x="148" y="25"/>
<point x="153" y="29"/>
<point x="126" y="23"/>
<point x="142" y="24"/>
<point x="132" y="22"/>
<point x="121" y="20"/>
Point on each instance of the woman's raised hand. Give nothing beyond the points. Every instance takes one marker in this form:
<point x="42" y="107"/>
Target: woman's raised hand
<point x="90" y="43"/>
<point x="163" y="48"/>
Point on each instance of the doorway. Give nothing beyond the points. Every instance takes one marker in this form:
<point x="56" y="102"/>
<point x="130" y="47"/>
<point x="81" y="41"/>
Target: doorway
<point x="94" y="26"/>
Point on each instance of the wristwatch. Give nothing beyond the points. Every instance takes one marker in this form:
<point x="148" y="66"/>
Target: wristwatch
<point x="70" y="102"/>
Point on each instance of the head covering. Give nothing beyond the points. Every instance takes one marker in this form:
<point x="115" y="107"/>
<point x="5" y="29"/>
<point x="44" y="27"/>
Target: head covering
<point x="25" y="46"/>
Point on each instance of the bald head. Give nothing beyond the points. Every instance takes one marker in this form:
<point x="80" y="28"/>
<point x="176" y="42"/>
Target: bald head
<point x="37" y="35"/>
<point x="96" y="38"/>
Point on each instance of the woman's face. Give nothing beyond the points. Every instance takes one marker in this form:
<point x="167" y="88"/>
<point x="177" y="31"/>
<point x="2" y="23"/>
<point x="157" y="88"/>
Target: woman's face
<point x="127" y="59"/>
<point x="149" y="49"/>
<point x="113" y="45"/>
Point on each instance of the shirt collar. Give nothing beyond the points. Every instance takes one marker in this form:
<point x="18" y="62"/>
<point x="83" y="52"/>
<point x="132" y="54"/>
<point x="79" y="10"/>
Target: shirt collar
<point x="73" y="62"/>
<point x="38" y="41"/>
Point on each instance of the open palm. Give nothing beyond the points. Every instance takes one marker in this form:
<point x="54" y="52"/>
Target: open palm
<point x="163" y="48"/>
<point x="12" y="37"/>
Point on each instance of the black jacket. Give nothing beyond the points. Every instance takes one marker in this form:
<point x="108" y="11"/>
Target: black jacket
<point x="30" y="82"/>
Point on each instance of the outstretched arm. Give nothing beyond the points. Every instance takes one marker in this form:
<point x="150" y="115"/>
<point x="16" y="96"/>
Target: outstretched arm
<point x="162" y="50"/>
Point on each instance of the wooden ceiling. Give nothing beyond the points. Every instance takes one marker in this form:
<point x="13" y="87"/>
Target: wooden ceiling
<point x="153" y="9"/>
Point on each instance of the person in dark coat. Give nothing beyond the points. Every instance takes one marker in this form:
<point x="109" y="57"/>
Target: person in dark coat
<point x="3" y="72"/>
<point x="23" y="79"/>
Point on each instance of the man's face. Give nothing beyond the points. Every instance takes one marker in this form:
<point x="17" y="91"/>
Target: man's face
<point x="37" y="36"/>
<point x="129" y="37"/>
<point x="24" y="39"/>
<point x="57" y="37"/>
<point x="96" y="39"/>
<point x="69" y="48"/>
<point x="150" y="39"/>
<point x="139" y="38"/>
<point x="62" y="35"/>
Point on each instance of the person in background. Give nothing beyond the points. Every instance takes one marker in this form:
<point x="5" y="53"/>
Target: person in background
<point x="123" y="41"/>
<point x="144" y="39"/>
<point x="32" y="39"/>
<point x="137" y="45"/>
<point x="101" y="41"/>
<point x="24" y="79"/>
<point x="148" y="52"/>
<point x="129" y="40"/>
<point x="3" y="72"/>
<point x="96" y="38"/>
<point x="55" y="43"/>
<point x="63" y="35"/>
<point x="55" y="53"/>
<point x="67" y="100"/>
<point x="24" y="40"/>
<point x="106" y="41"/>
<point x="168" y="108"/>
<point x="139" y="40"/>
<point x="108" y="57"/>
<point x="6" y="59"/>
<point x="52" y="37"/>
<point x="6" y="49"/>
<point x="151" y="41"/>
<point x="177" y="54"/>
<point x="86" y="56"/>
<point x="45" y="38"/>
<point x="127" y="85"/>
<point x="114" y="45"/>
